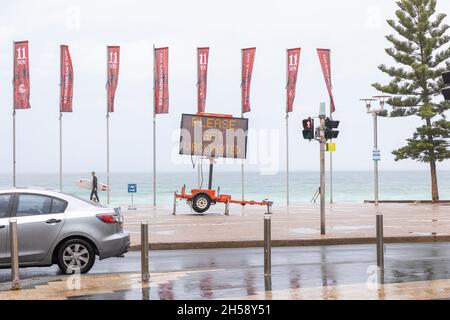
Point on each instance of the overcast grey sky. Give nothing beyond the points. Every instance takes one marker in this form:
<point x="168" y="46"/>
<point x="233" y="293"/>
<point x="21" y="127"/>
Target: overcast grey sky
<point x="353" y="29"/>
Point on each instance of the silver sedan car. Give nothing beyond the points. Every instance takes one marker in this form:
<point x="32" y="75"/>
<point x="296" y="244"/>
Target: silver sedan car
<point x="59" y="228"/>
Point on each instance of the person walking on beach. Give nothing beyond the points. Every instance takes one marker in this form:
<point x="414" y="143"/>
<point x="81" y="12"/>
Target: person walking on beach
<point x="94" y="188"/>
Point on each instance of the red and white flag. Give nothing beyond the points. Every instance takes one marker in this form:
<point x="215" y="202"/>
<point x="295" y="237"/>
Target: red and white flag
<point x="113" y="58"/>
<point x="202" y="73"/>
<point x="161" y="80"/>
<point x="324" y="57"/>
<point x="21" y="76"/>
<point x="293" y="62"/>
<point x="66" y="90"/>
<point x="248" y="58"/>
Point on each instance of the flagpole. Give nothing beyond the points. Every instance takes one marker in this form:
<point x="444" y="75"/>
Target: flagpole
<point x="331" y="153"/>
<point x="242" y="171"/>
<point x="331" y="167"/>
<point x="14" y="128"/>
<point x="107" y="127"/>
<point x="154" y="132"/>
<point x="287" y="137"/>
<point x="287" y="159"/>
<point x="199" y="159"/>
<point x="14" y="147"/>
<point x="60" y="151"/>
<point x="154" y="159"/>
<point x="242" y="163"/>
<point x="107" y="157"/>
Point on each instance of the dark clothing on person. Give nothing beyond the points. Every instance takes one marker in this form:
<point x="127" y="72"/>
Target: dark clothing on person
<point x="94" y="189"/>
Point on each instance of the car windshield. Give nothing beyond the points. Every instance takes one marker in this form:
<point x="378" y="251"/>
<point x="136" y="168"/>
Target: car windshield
<point x="90" y="202"/>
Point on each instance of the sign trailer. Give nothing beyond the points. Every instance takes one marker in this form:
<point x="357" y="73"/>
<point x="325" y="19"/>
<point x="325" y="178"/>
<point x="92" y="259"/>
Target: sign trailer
<point x="213" y="136"/>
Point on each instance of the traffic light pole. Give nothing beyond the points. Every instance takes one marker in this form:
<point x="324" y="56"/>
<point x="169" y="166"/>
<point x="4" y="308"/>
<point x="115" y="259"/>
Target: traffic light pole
<point x="322" y="188"/>
<point x="321" y="134"/>
<point x="322" y="174"/>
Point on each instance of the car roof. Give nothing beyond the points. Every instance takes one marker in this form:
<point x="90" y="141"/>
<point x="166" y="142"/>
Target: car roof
<point x="73" y="200"/>
<point x="43" y="191"/>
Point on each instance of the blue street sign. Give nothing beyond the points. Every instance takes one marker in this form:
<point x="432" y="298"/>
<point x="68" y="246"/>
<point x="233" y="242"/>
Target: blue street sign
<point x="132" y="188"/>
<point x="376" y="155"/>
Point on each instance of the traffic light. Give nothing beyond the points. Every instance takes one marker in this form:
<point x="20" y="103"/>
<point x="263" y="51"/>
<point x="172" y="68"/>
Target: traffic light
<point x="331" y="124"/>
<point x="446" y="90"/>
<point x="308" y="128"/>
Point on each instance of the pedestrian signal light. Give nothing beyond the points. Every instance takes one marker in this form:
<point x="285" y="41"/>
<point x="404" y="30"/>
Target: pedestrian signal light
<point x="308" y="128"/>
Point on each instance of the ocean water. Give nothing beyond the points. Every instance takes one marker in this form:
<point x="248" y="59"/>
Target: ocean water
<point x="348" y="187"/>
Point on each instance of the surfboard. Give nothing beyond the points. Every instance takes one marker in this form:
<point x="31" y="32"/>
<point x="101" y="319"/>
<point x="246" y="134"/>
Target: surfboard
<point x="87" y="184"/>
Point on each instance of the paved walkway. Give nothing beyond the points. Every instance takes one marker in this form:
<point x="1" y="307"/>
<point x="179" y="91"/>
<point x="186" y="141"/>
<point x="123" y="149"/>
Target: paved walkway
<point x="297" y="225"/>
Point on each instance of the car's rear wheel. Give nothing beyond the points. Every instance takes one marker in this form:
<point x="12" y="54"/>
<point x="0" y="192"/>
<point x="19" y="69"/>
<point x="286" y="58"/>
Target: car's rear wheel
<point x="76" y="256"/>
<point x="201" y="203"/>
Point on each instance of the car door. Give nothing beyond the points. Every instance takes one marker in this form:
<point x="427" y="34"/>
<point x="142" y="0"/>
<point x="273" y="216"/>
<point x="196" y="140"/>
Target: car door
<point x="39" y="221"/>
<point x="4" y="226"/>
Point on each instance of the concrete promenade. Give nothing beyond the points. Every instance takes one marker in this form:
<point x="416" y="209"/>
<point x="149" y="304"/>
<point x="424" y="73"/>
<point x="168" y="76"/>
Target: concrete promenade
<point x="297" y="225"/>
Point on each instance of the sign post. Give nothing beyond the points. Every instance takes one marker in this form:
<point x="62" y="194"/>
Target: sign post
<point x="132" y="189"/>
<point x="376" y="155"/>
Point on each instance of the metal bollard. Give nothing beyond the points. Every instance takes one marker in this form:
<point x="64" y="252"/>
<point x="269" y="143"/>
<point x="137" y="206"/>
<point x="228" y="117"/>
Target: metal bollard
<point x="267" y="244"/>
<point x="146" y="293"/>
<point x="174" y="212"/>
<point x="145" y="275"/>
<point x="267" y="283"/>
<point x="380" y="241"/>
<point x="227" y="208"/>
<point x="14" y="243"/>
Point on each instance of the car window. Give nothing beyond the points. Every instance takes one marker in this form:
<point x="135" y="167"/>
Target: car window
<point x="4" y="201"/>
<point x="89" y="202"/>
<point x="33" y="204"/>
<point x="58" y="206"/>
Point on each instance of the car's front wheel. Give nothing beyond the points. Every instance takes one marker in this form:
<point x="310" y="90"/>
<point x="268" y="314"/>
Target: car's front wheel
<point x="76" y="256"/>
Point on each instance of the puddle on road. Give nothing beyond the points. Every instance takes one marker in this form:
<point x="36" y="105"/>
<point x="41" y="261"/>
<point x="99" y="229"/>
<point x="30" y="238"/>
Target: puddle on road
<point x="351" y="228"/>
<point x="165" y="232"/>
<point x="424" y="233"/>
<point x="304" y="230"/>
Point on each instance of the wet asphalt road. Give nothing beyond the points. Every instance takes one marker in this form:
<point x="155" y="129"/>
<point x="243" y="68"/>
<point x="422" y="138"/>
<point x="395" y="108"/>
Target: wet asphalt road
<point x="225" y="273"/>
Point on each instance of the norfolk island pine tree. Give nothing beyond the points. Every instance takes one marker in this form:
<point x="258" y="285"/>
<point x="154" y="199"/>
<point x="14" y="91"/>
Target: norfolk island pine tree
<point x="421" y="52"/>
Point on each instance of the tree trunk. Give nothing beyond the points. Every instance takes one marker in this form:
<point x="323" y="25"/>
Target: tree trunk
<point x="434" y="183"/>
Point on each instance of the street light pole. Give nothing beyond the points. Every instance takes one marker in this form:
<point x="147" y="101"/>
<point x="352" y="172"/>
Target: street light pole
<point x="375" y="162"/>
<point x="376" y="158"/>
<point x="376" y="151"/>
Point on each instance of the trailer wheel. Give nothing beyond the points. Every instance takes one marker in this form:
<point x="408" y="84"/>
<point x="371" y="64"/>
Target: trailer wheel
<point x="201" y="202"/>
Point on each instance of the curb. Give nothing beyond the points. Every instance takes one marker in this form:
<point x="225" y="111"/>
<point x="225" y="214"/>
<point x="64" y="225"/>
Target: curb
<point x="288" y="243"/>
<point x="410" y="201"/>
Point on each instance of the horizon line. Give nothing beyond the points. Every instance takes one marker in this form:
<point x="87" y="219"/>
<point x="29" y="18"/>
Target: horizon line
<point x="205" y="172"/>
